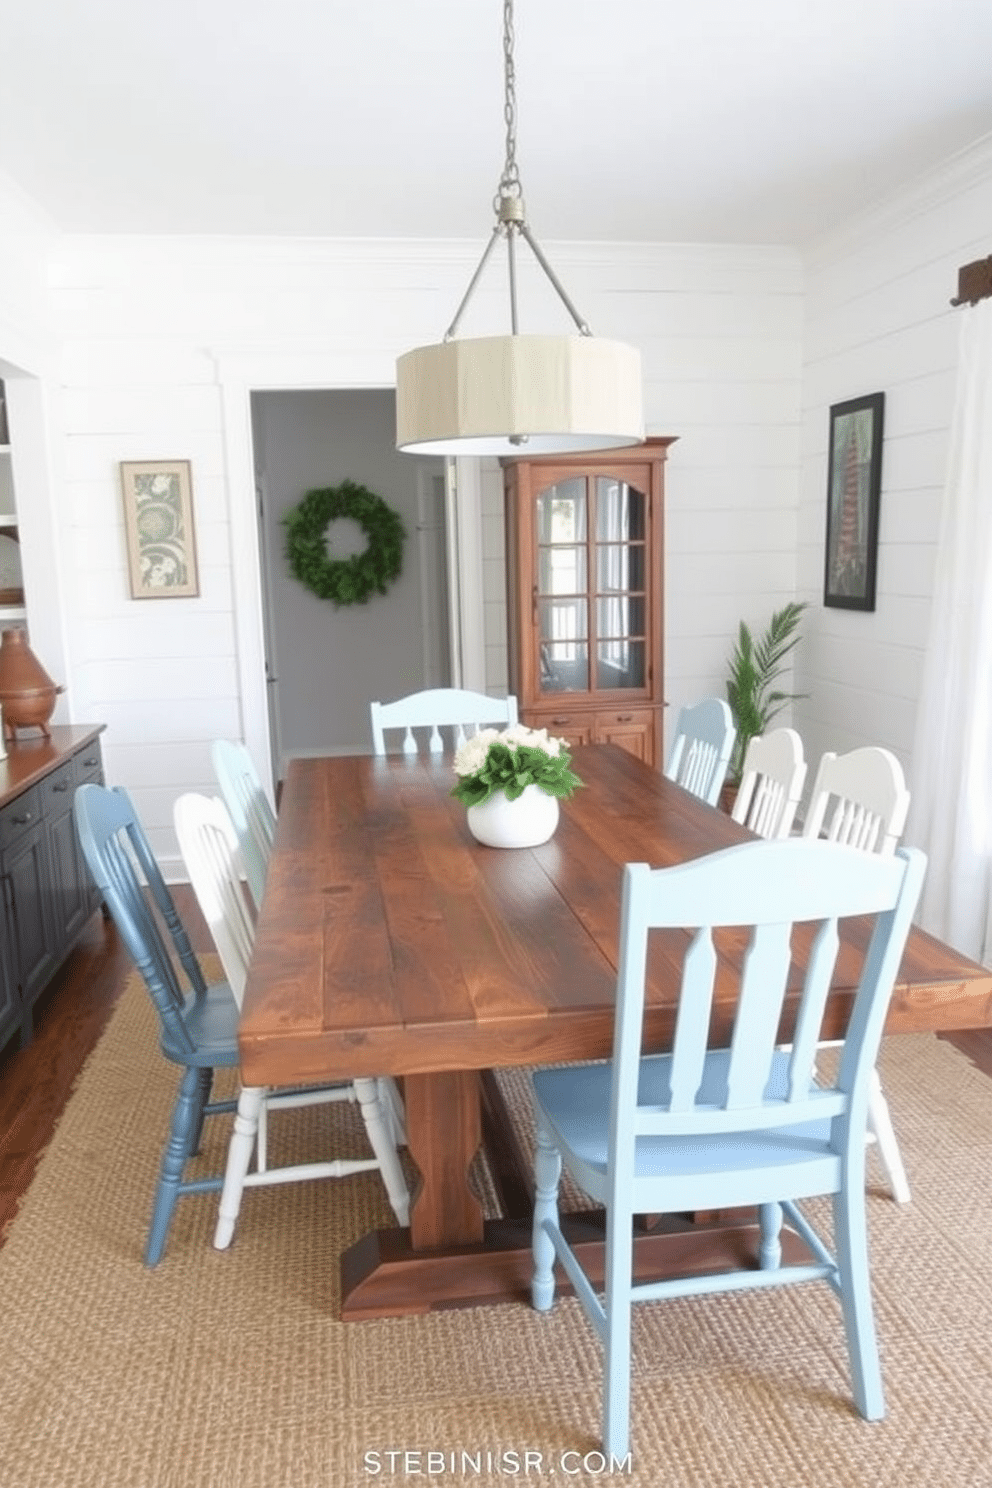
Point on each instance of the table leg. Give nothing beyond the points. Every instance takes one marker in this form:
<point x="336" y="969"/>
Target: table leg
<point x="443" y="1132"/>
<point x="450" y="1257"/>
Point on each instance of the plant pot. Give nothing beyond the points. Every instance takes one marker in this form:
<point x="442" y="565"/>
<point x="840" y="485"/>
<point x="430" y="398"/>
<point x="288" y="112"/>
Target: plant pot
<point x="526" y="822"/>
<point x="27" y="692"/>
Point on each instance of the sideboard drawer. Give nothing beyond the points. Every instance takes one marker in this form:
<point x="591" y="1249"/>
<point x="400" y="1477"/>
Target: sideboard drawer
<point x="20" y="816"/>
<point x="58" y="788"/>
<point x="88" y="763"/>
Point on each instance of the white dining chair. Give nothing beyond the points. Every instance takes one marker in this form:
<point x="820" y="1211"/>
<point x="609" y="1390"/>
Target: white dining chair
<point x="700" y="752"/>
<point x="249" y="809"/>
<point x="209" y="848"/>
<point x="453" y="708"/>
<point x="771" y="785"/>
<point x="860" y="799"/>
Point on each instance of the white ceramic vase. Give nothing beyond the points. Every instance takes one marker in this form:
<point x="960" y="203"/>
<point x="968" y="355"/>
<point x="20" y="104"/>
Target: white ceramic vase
<point x="525" y="822"/>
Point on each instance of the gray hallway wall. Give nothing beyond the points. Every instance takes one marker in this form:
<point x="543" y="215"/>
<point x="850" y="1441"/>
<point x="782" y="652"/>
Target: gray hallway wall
<point x="329" y="662"/>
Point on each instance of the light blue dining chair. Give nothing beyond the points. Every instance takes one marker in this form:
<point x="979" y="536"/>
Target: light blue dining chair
<point x="700" y="752"/>
<point x="718" y="1128"/>
<point x="198" y="1027"/>
<point x="249" y="809"/>
<point x="437" y="708"/>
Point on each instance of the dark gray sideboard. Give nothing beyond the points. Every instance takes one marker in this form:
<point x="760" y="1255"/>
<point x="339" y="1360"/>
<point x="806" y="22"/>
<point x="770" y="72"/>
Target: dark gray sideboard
<point x="48" y="895"/>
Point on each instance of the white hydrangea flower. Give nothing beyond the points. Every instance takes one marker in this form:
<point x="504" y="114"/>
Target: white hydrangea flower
<point x="535" y="738"/>
<point x="471" y="756"/>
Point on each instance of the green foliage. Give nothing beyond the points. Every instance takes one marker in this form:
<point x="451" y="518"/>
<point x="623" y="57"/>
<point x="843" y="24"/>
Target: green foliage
<point x="346" y="581"/>
<point x="511" y="768"/>
<point x="754" y="668"/>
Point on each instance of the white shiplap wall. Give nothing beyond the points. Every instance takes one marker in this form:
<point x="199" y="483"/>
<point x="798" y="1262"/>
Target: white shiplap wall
<point x="144" y="326"/>
<point x="879" y="319"/>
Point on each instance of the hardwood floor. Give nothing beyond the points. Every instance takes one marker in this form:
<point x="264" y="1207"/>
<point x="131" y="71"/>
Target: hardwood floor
<point x="36" y="1082"/>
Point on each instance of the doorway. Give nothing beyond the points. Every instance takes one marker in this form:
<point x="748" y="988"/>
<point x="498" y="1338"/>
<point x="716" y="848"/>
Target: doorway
<point x="325" y="664"/>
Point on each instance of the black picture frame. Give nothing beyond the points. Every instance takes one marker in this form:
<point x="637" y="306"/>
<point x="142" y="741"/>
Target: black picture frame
<point x="854" y="485"/>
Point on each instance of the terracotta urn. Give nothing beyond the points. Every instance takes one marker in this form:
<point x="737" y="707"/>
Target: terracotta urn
<point x="27" y="692"/>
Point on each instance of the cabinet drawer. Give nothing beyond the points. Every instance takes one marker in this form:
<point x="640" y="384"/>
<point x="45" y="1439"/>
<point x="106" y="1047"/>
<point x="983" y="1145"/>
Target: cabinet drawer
<point x="56" y="790"/>
<point x="575" y="728"/>
<point x="19" y="816"/>
<point x="624" y="717"/>
<point x="87" y="763"/>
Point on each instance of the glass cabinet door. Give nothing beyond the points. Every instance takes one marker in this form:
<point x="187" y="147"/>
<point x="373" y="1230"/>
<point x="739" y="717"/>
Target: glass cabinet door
<point x="591" y="585"/>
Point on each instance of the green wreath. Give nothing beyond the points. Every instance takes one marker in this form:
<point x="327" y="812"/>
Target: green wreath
<point x="346" y="581"/>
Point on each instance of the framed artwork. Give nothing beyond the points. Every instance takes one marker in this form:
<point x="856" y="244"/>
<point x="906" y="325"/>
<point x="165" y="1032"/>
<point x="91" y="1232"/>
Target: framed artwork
<point x="158" y="521"/>
<point x="854" y="483"/>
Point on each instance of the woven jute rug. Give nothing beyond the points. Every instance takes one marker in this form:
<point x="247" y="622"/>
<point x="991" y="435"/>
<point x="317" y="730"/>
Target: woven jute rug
<point x="231" y="1370"/>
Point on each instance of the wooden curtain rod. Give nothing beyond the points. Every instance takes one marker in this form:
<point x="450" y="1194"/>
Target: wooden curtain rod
<point x="974" y="282"/>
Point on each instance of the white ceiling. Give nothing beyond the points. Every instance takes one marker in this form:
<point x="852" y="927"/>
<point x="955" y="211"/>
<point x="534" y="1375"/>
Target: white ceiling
<point x="715" y="120"/>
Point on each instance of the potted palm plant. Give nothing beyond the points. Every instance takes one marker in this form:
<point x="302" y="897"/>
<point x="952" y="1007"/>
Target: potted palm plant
<point x="755" y="666"/>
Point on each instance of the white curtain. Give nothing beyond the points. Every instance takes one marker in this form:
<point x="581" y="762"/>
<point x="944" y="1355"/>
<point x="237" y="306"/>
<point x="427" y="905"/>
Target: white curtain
<point x="951" y="775"/>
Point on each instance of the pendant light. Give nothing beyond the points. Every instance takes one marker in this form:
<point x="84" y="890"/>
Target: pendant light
<point x="517" y="394"/>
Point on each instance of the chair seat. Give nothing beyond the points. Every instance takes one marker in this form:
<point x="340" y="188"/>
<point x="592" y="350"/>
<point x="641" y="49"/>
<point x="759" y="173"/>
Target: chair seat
<point x="576" y="1104"/>
<point x="212" y="1024"/>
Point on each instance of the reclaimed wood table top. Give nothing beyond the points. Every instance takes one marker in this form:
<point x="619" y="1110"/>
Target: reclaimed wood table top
<point x="391" y="942"/>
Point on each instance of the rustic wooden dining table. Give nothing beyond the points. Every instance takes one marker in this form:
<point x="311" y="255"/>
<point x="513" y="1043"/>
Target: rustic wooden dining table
<point x="390" y="942"/>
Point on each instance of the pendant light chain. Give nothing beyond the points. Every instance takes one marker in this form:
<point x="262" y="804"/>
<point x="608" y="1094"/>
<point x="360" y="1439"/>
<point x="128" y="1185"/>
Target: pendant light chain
<point x="509" y="205"/>
<point x="509" y="186"/>
<point x="509" y="200"/>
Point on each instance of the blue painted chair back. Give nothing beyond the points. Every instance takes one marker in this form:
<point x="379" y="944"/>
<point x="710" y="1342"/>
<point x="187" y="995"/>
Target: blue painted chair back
<point x="249" y="809"/>
<point x="700" y="752"/>
<point x="763" y="889"/>
<point x="437" y="708"/>
<point x="118" y="855"/>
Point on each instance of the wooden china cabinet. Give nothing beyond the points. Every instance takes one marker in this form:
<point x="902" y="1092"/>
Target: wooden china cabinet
<point x="584" y="549"/>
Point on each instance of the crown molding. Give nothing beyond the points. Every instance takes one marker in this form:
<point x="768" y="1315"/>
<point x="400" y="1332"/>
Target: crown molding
<point x="78" y="256"/>
<point x="968" y="168"/>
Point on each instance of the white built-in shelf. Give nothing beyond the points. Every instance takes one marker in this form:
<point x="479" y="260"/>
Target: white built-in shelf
<point x="13" y="612"/>
<point x="7" y="519"/>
